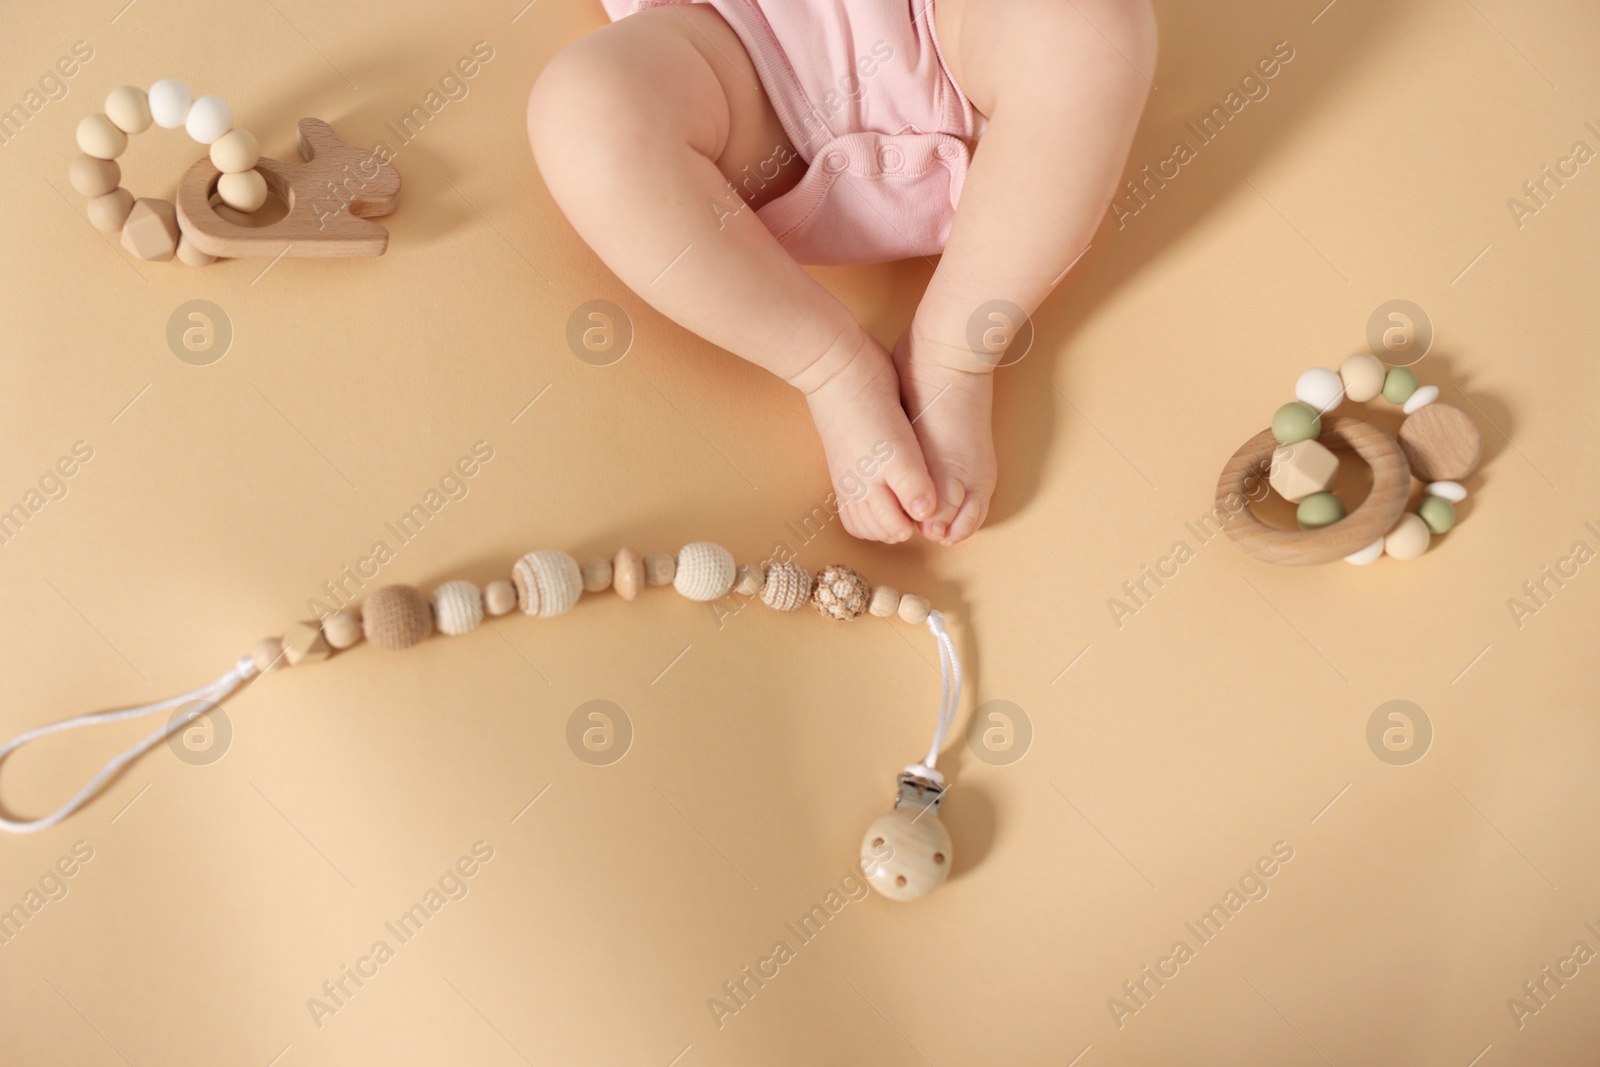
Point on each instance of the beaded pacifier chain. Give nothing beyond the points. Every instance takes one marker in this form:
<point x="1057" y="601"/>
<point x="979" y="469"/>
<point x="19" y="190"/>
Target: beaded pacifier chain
<point x="1439" y="443"/>
<point x="905" y="854"/>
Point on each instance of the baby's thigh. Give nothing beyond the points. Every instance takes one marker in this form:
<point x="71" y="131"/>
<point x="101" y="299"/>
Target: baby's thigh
<point x="674" y="74"/>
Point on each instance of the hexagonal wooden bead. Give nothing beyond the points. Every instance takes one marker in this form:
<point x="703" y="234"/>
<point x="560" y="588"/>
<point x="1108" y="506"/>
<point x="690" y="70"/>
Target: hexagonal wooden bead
<point x="1303" y="468"/>
<point x="303" y="642"/>
<point x="151" y="229"/>
<point x="396" y="617"/>
<point x="342" y="629"/>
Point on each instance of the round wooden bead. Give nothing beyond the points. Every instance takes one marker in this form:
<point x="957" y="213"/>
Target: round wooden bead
<point x="1438" y="513"/>
<point x="267" y="654"/>
<point x="245" y="191"/>
<point x="342" y="629"/>
<point x="840" y="593"/>
<point x="1409" y="538"/>
<point x="499" y="597"/>
<point x="235" y="152"/>
<point x="788" y="585"/>
<point x="548" y="582"/>
<point x="108" y="213"/>
<point x="1362" y="377"/>
<point x="170" y="100"/>
<point x="209" y="118"/>
<point x="188" y="253"/>
<point x="1441" y="442"/>
<point x="660" y="568"/>
<point x="749" y="579"/>
<point x="457" y="607"/>
<point x="885" y="601"/>
<point x="1319" y="387"/>
<point x="93" y="177"/>
<point x="914" y="609"/>
<point x="396" y="617"/>
<point x="1454" y="492"/>
<point x="1421" y="399"/>
<point x="99" y="137"/>
<point x="627" y="573"/>
<point x="1366" y="555"/>
<point x="596" y="575"/>
<point x="906" y="854"/>
<point x="705" y="571"/>
<point x="129" y="108"/>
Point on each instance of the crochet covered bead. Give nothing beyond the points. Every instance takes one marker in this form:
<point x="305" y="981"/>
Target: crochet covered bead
<point x="548" y="582"/>
<point x="396" y="617"/>
<point x="840" y="593"/>
<point x="788" y="586"/>
<point x="705" y="571"/>
<point x="457" y="607"/>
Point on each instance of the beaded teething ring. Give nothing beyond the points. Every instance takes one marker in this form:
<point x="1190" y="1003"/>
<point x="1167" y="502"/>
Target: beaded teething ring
<point x="149" y="226"/>
<point x="904" y="855"/>
<point x="1437" y="442"/>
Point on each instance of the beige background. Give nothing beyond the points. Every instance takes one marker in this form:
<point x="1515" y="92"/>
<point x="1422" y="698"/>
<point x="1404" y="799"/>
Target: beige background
<point x="1227" y="715"/>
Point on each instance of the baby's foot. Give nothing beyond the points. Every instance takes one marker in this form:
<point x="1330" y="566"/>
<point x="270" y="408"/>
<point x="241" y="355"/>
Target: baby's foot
<point x="949" y="407"/>
<point x="876" y="465"/>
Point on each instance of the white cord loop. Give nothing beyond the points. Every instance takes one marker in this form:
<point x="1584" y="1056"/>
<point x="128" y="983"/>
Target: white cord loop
<point x="214" y="693"/>
<point x="949" y="698"/>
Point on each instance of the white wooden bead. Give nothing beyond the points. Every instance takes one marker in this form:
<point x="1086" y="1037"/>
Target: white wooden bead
<point x="245" y="191"/>
<point x="170" y="101"/>
<point x="914" y="608"/>
<point x="209" y="118"/>
<point x="99" y="137"/>
<point x="1420" y="399"/>
<point x="548" y="582"/>
<point x="129" y="108"/>
<point x="1409" y="538"/>
<point x="342" y="629"/>
<point x="235" y="152"/>
<point x="660" y="568"/>
<point x="885" y="602"/>
<point x="627" y="573"/>
<point x="1454" y="492"/>
<point x="499" y="597"/>
<point x="1366" y="555"/>
<point x="1319" y="387"/>
<point x="596" y="575"/>
<point x="457" y="607"/>
<point x="906" y="854"/>
<point x="749" y="580"/>
<point x="705" y="571"/>
<point x="1362" y="376"/>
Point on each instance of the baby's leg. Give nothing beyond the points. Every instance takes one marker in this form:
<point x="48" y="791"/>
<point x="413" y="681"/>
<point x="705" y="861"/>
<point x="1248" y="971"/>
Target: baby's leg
<point x="1063" y="89"/>
<point x="638" y="129"/>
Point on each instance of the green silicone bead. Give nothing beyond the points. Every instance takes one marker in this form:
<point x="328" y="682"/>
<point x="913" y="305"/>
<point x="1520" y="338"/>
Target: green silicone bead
<point x="1399" y="384"/>
<point x="1437" y="512"/>
<point x="1295" y="422"/>
<point x="1321" y="509"/>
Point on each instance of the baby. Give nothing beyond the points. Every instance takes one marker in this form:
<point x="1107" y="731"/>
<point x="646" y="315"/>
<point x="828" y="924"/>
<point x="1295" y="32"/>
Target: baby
<point x="706" y="150"/>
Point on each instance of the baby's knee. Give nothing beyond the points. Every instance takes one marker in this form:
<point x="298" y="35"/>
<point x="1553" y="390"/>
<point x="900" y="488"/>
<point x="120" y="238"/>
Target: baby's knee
<point x="571" y="98"/>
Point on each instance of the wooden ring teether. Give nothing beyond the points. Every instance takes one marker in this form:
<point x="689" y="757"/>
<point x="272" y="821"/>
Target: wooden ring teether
<point x="1371" y="520"/>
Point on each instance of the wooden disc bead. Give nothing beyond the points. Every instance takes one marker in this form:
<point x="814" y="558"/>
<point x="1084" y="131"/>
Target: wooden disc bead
<point x="548" y="582"/>
<point x="596" y="575"/>
<point x="267" y="654"/>
<point x="660" y="568"/>
<point x="342" y="629"/>
<point x="788" y="586"/>
<point x="627" y="573"/>
<point x="303" y="642"/>
<point x="705" y="571"/>
<point x="885" y="601"/>
<point x="499" y="597"/>
<point x="1441" y="442"/>
<point x="840" y="593"/>
<point x="457" y="607"/>
<point x="396" y="617"/>
<point x="749" y="580"/>
<point x="914" y="609"/>
<point x="906" y="854"/>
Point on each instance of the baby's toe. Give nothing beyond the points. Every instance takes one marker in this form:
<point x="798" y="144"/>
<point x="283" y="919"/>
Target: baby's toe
<point x="860" y="521"/>
<point x="974" y="509"/>
<point x="952" y="494"/>
<point x="884" y="505"/>
<point x="907" y="477"/>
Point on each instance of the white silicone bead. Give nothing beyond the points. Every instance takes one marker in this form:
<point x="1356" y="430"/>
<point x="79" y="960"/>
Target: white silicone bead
<point x="1366" y="555"/>
<point x="1321" y="388"/>
<point x="209" y="118"/>
<point x="245" y="191"/>
<point x="457" y="607"/>
<point x="170" y="100"/>
<point x="1454" y="492"/>
<point x="1421" y="398"/>
<point x="705" y="571"/>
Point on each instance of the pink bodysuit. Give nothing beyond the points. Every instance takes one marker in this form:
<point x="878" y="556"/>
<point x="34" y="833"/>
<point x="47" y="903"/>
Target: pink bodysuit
<point x="867" y="102"/>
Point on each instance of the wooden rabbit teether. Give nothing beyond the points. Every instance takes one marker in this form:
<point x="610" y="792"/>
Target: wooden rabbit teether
<point x="331" y="198"/>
